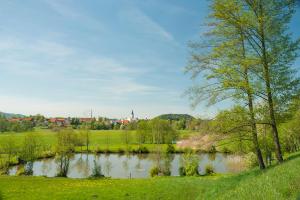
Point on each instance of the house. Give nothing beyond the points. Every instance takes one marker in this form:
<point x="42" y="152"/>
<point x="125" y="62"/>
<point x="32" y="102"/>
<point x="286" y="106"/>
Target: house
<point x="85" y="120"/>
<point x="29" y="119"/>
<point x="60" y="121"/>
<point x="124" y="121"/>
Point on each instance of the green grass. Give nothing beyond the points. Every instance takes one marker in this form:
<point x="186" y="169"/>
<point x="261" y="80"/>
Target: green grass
<point x="279" y="182"/>
<point x="112" y="140"/>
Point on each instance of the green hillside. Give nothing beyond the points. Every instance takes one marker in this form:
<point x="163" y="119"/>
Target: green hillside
<point x="175" y="117"/>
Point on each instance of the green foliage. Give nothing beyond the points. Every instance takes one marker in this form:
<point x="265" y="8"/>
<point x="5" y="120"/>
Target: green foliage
<point x="141" y="149"/>
<point x="170" y="148"/>
<point x="66" y="142"/>
<point x="18" y="126"/>
<point x="209" y="169"/>
<point x="156" y="131"/>
<point x="176" y="117"/>
<point x="97" y="171"/>
<point x="189" y="163"/>
<point x="29" y="150"/>
<point x="154" y="171"/>
<point x="212" y="149"/>
<point x="182" y="171"/>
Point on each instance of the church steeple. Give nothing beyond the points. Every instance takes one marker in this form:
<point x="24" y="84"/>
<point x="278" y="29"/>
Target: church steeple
<point x="132" y="115"/>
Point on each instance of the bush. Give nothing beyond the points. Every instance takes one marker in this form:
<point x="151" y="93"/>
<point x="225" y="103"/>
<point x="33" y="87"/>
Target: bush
<point x="167" y="172"/>
<point x="209" y="169"/>
<point x="121" y="151"/>
<point x="170" y="148"/>
<point x="28" y="169"/>
<point x="226" y="150"/>
<point x="154" y="171"/>
<point x="192" y="170"/>
<point x="97" y="171"/>
<point x="251" y="160"/>
<point x="4" y="166"/>
<point x="212" y="149"/>
<point x="189" y="161"/>
<point x="141" y="149"/>
<point x="182" y="171"/>
<point x="20" y="170"/>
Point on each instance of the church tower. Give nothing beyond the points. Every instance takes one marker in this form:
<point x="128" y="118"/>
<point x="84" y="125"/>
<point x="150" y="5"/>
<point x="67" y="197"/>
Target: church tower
<point x="132" y="115"/>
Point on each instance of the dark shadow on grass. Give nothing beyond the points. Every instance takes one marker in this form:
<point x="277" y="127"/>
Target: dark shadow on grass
<point x="291" y="157"/>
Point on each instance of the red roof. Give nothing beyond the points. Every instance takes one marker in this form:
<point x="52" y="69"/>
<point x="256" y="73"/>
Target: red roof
<point x="20" y="119"/>
<point x="124" y="121"/>
<point x="53" y="120"/>
<point x="85" y="119"/>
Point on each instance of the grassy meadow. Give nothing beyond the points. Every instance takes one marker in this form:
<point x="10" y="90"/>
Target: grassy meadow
<point x="278" y="182"/>
<point x="101" y="140"/>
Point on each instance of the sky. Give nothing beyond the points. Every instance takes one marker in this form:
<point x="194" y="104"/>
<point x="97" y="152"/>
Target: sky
<point x="66" y="57"/>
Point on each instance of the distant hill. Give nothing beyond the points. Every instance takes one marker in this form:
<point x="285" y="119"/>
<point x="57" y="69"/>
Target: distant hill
<point x="11" y="115"/>
<point x="175" y="117"/>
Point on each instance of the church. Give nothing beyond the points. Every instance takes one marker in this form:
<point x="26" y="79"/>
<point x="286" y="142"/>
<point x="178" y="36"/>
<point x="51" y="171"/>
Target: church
<point x="132" y="118"/>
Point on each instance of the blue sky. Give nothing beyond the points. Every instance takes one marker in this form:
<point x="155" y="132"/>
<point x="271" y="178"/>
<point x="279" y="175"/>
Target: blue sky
<point x="65" y="57"/>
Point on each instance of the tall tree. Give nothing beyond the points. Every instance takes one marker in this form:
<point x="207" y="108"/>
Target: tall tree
<point x="266" y="32"/>
<point x="225" y="63"/>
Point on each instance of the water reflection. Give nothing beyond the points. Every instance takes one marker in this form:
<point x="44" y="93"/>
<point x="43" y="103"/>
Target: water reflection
<point x="131" y="166"/>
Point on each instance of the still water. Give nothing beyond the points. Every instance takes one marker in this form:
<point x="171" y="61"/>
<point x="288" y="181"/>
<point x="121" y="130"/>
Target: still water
<point x="132" y="166"/>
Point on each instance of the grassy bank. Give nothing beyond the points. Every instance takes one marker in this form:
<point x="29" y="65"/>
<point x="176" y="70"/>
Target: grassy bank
<point x="279" y="182"/>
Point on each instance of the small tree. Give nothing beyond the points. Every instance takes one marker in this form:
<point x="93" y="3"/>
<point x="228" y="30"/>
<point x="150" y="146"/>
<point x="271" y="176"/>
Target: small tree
<point x="189" y="164"/>
<point x="29" y="150"/>
<point x="65" y="146"/>
<point x="84" y="137"/>
<point x="97" y="171"/>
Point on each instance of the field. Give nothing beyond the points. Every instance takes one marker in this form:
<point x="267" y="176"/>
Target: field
<point x="279" y="182"/>
<point x="102" y="140"/>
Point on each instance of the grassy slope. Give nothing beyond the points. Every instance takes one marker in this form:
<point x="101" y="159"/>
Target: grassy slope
<point x="279" y="182"/>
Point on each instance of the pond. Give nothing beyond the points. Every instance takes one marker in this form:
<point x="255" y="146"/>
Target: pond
<point x="132" y="165"/>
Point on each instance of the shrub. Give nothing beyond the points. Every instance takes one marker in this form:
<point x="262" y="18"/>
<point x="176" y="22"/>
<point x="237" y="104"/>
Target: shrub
<point x="182" y="171"/>
<point x="166" y="172"/>
<point x="154" y="171"/>
<point x="212" y="149"/>
<point x="209" y="169"/>
<point x="4" y="166"/>
<point x="226" y="150"/>
<point x="189" y="161"/>
<point x="141" y="149"/>
<point x="121" y="151"/>
<point x="192" y="170"/>
<point x="97" y="149"/>
<point x="28" y="169"/>
<point x="170" y="148"/>
<point x="20" y="170"/>
<point x="251" y="160"/>
<point x="97" y="171"/>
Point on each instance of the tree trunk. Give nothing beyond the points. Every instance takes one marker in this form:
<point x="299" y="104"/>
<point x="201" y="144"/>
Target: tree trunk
<point x="269" y="91"/>
<point x="254" y="133"/>
<point x="251" y="111"/>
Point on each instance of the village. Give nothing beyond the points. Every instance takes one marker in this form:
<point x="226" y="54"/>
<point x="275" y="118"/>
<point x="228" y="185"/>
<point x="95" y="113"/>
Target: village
<point x="98" y="122"/>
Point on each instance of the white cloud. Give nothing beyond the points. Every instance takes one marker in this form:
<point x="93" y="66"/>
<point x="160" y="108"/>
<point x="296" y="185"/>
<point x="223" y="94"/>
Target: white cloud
<point x="73" y="68"/>
<point x="66" y="9"/>
<point x="146" y="24"/>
